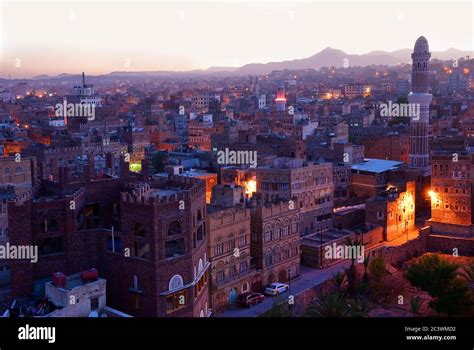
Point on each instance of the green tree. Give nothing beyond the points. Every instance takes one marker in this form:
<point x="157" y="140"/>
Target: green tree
<point x="359" y="307"/>
<point x="330" y="305"/>
<point x="351" y="273"/>
<point x="415" y="304"/>
<point x="439" y="278"/>
<point x="279" y="308"/>
<point x="365" y="279"/>
<point x="378" y="290"/>
<point x="432" y="274"/>
<point x="468" y="272"/>
<point x="455" y="301"/>
<point x="338" y="281"/>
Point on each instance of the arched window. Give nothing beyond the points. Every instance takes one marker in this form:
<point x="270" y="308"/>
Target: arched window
<point x="19" y="170"/>
<point x="277" y="231"/>
<point x="286" y="225"/>
<point x="200" y="266"/>
<point x="267" y="235"/>
<point x="294" y="248"/>
<point x="294" y="225"/>
<point x="268" y="257"/>
<point x="135" y="282"/>
<point x="286" y="250"/>
<point x="277" y="254"/>
<point x="6" y="171"/>
<point x="138" y="230"/>
<point x="176" y="282"/>
<point x="174" y="229"/>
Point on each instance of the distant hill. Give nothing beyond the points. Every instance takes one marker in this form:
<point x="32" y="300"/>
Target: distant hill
<point x="326" y="58"/>
<point x="333" y="57"/>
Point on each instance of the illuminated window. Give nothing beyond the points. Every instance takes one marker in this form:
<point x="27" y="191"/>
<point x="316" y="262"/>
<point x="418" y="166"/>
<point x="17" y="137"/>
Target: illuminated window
<point x="176" y="301"/>
<point x="200" y="285"/>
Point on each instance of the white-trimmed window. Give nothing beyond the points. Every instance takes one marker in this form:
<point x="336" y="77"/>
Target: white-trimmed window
<point x="176" y="282"/>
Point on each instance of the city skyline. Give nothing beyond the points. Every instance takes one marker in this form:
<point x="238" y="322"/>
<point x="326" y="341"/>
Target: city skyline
<point x="164" y="37"/>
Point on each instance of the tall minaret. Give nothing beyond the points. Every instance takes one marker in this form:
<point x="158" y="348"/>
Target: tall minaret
<point x="419" y="156"/>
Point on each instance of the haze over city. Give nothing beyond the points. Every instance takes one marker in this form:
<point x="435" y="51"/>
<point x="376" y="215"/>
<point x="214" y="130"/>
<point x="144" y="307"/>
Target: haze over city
<point x="246" y="163"/>
<point x="54" y="38"/>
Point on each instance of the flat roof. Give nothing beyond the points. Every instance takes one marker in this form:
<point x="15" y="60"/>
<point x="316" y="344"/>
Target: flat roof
<point x="373" y="165"/>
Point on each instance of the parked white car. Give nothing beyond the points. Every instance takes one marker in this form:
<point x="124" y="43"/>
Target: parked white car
<point x="276" y="288"/>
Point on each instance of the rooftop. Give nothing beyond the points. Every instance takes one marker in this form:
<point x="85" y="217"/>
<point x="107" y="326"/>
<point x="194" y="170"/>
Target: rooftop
<point x="373" y="165"/>
<point x="330" y="235"/>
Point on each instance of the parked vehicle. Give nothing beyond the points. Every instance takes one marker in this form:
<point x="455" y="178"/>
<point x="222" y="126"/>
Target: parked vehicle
<point x="250" y="299"/>
<point x="276" y="288"/>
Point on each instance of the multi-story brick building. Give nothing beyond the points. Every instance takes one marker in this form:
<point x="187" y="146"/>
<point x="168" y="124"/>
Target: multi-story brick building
<point x="452" y="178"/>
<point x="17" y="170"/>
<point x="275" y="242"/>
<point x="309" y="183"/>
<point x="394" y="210"/>
<point x="137" y="140"/>
<point x="372" y="176"/>
<point x="390" y="147"/>
<point x="229" y="254"/>
<point x="244" y="177"/>
<point x="148" y="240"/>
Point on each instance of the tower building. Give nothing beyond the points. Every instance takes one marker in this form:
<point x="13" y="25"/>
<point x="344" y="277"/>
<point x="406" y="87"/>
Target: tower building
<point x="280" y="100"/>
<point x="418" y="157"/>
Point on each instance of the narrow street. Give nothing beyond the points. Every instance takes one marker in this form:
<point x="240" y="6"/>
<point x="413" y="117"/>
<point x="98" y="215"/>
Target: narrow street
<point x="309" y="278"/>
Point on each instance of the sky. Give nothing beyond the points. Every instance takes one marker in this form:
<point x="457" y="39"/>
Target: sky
<point x="40" y="37"/>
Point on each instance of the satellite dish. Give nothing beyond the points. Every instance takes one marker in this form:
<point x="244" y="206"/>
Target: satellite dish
<point x="94" y="314"/>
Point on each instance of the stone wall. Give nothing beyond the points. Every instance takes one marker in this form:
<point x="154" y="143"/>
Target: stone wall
<point x="415" y="247"/>
<point x="447" y="244"/>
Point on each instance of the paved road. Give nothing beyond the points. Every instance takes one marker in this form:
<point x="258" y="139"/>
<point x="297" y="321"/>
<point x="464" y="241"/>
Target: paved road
<point x="308" y="278"/>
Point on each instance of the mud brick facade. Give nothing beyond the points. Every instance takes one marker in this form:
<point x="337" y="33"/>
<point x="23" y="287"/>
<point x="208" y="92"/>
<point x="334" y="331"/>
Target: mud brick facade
<point x="147" y="239"/>
<point x="229" y="253"/>
<point x="309" y="183"/>
<point x="394" y="211"/>
<point x="275" y="242"/>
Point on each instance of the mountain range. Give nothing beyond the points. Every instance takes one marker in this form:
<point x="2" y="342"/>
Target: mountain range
<point x="326" y="58"/>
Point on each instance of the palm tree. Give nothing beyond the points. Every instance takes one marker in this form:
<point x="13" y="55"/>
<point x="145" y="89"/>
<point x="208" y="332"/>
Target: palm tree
<point x="338" y="281"/>
<point x="468" y="273"/>
<point x="355" y="243"/>
<point x="359" y="307"/>
<point x="365" y="280"/>
<point x="415" y="304"/>
<point x="331" y="305"/>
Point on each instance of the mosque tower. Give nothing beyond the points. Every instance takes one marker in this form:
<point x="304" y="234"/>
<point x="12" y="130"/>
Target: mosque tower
<point x="419" y="156"/>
